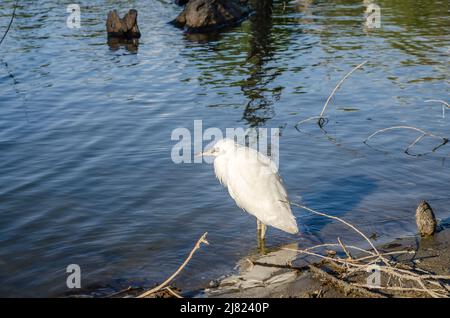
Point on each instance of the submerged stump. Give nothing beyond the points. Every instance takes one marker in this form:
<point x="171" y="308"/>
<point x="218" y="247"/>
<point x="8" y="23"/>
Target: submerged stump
<point x="126" y="27"/>
<point x="209" y="15"/>
<point x="425" y="219"/>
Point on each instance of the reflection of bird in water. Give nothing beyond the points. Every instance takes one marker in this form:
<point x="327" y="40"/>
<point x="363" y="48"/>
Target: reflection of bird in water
<point x="253" y="182"/>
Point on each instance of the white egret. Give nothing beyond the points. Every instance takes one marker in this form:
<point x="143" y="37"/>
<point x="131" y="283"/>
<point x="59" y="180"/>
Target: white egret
<point x="253" y="182"/>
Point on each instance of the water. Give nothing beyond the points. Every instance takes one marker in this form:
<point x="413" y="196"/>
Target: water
<point x="86" y="175"/>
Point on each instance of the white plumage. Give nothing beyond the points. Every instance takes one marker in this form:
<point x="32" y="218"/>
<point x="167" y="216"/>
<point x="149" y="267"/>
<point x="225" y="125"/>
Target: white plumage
<point x="253" y="182"/>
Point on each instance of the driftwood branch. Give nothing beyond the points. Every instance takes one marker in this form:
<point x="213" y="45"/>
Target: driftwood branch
<point x="321" y="116"/>
<point x="173" y="292"/>
<point x="419" y="280"/>
<point x="201" y="240"/>
<point x="346" y="223"/>
<point x="344" y="248"/>
<point x="422" y="132"/>
<point x="346" y="287"/>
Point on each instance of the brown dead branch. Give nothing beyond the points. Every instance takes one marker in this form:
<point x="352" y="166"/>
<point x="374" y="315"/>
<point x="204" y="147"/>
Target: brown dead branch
<point x="201" y="240"/>
<point x="346" y="287"/>
<point x="173" y="292"/>
<point x="344" y="248"/>
<point x="346" y="223"/>
<point x="418" y="280"/>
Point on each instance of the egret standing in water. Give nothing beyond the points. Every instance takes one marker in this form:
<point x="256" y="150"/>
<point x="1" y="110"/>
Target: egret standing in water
<point x="253" y="182"/>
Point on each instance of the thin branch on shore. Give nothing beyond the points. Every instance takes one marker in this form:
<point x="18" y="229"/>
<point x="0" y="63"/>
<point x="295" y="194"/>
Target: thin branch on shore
<point x="201" y="240"/>
<point x="173" y="292"/>
<point x="346" y="223"/>
<point x="344" y="248"/>
<point x="419" y="280"/>
<point x="337" y="245"/>
<point x="403" y="289"/>
<point x="345" y="286"/>
<point x="123" y="291"/>
<point x="385" y="254"/>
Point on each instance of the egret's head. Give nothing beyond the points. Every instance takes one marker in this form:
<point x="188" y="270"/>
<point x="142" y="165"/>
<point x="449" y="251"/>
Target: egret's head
<point x="221" y="147"/>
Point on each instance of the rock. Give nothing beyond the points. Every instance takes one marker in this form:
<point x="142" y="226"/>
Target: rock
<point x="208" y="15"/>
<point x="255" y="280"/>
<point x="425" y="219"/>
<point x="126" y="27"/>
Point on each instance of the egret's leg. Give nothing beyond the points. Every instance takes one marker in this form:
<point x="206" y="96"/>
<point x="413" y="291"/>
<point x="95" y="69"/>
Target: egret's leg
<point x="258" y="229"/>
<point x="261" y="229"/>
<point x="261" y="233"/>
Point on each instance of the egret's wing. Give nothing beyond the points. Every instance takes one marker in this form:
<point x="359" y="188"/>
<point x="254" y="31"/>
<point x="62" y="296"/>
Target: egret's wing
<point x="255" y="185"/>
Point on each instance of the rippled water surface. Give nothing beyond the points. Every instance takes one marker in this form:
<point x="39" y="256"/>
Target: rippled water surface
<point x="86" y="175"/>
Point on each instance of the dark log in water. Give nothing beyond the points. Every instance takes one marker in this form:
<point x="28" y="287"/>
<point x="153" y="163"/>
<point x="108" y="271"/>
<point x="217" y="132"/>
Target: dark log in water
<point x="209" y="15"/>
<point x="126" y="27"/>
<point x="425" y="219"/>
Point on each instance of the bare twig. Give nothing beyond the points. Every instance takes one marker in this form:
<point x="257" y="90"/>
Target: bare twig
<point x="349" y="256"/>
<point x="444" y="104"/>
<point x="173" y="292"/>
<point x="384" y="254"/>
<point x="201" y="240"/>
<point x="10" y="22"/>
<point x="306" y="120"/>
<point x="349" y="225"/>
<point x="336" y="89"/>
<point x="394" y="288"/>
<point x="410" y="276"/>
<point x="346" y="287"/>
<point x="128" y="289"/>
<point x="331" y="259"/>
<point x="288" y="266"/>
<point x="421" y="280"/>
<point x="421" y="131"/>
<point x="337" y="245"/>
<point x="403" y="127"/>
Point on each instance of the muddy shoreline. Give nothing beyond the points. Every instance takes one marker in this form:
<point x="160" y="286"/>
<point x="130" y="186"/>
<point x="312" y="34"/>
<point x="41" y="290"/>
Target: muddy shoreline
<point x="281" y="272"/>
<point x="256" y="279"/>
